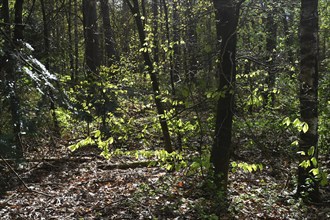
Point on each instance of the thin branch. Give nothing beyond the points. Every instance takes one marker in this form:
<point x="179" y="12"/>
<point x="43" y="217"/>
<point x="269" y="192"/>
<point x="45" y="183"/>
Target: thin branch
<point x="21" y="180"/>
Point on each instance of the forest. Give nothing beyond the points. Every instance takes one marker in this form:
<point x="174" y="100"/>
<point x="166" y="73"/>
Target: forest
<point x="164" y="109"/>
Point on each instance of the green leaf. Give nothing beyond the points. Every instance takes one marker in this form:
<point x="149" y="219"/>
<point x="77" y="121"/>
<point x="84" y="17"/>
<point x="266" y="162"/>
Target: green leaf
<point x="311" y="151"/>
<point x="233" y="164"/>
<point x="97" y="133"/>
<point x="296" y="122"/>
<point x="314" y="161"/>
<point x="305" y="127"/>
<point x="168" y="166"/>
<point x="324" y="179"/>
<point x="254" y="167"/>
<point x="305" y="164"/>
<point x="73" y="147"/>
<point x="287" y="121"/>
<point x="110" y="140"/>
<point x="295" y="143"/>
<point x="315" y="171"/>
<point x="195" y="165"/>
<point x="302" y="153"/>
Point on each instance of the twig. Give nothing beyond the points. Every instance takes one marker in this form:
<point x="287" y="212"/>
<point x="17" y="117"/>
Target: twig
<point x="21" y="180"/>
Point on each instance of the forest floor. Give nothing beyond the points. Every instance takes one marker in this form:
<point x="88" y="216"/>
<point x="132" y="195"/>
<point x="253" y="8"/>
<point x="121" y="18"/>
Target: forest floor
<point x="86" y="186"/>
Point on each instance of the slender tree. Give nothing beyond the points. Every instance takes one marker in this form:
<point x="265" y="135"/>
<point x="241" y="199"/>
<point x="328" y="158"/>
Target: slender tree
<point x="46" y="37"/>
<point x="226" y="24"/>
<point x="70" y="46"/>
<point x="8" y="66"/>
<point x="191" y="42"/>
<point x="110" y="49"/>
<point x="134" y="7"/>
<point x="309" y="62"/>
<point x="76" y="40"/>
<point x="92" y="52"/>
<point x="271" y="35"/>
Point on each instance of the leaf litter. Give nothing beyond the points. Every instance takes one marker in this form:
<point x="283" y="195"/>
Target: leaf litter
<point x="89" y="189"/>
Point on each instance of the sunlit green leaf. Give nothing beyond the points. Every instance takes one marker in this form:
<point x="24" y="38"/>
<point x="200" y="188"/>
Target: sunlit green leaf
<point x="311" y="151"/>
<point x="305" y="127"/>
<point x="314" y="161"/>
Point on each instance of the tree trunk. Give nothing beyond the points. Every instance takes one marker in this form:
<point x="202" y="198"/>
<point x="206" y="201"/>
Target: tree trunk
<point x="309" y="62"/>
<point x="12" y="78"/>
<point x="8" y="64"/>
<point x="91" y="36"/>
<point x="155" y="30"/>
<point x="271" y="28"/>
<point x="289" y="40"/>
<point x="46" y="37"/>
<point x="70" y="49"/>
<point x="168" y="38"/>
<point x="191" y="44"/>
<point x="154" y="80"/>
<point x="226" y="24"/>
<point x="76" y="41"/>
<point x="110" y="50"/>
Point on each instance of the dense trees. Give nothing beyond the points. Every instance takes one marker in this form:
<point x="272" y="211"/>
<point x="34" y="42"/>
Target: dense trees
<point x="13" y="40"/>
<point x="215" y="82"/>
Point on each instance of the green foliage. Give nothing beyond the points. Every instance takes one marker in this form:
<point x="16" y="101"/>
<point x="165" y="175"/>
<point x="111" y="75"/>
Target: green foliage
<point x="248" y="168"/>
<point x="313" y="166"/>
<point x="300" y="126"/>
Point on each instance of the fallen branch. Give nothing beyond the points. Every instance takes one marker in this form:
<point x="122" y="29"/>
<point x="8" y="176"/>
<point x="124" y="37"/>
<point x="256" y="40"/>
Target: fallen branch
<point x="131" y="165"/>
<point x="21" y="180"/>
<point x="54" y="159"/>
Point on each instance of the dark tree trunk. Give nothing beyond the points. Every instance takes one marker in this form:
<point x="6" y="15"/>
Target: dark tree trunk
<point x="308" y="78"/>
<point x="19" y="27"/>
<point x="110" y="57"/>
<point x="76" y="40"/>
<point x="176" y="39"/>
<point x="191" y="44"/>
<point x="8" y="67"/>
<point x="110" y="49"/>
<point x="91" y="36"/>
<point x="226" y="23"/>
<point x="70" y="49"/>
<point x="271" y="29"/>
<point x="155" y="30"/>
<point x="174" y="56"/>
<point x="92" y="53"/>
<point x="154" y="80"/>
<point x="144" y="12"/>
<point x="12" y="78"/>
<point x="168" y="38"/>
<point x="287" y="22"/>
<point x="126" y="29"/>
<point x="46" y="37"/>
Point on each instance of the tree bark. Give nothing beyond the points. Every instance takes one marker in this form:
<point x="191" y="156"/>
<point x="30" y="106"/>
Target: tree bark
<point x="226" y="24"/>
<point x="70" y="49"/>
<point x="155" y="29"/>
<point x="46" y="37"/>
<point x="8" y="64"/>
<point x="76" y="40"/>
<point x="191" y="43"/>
<point x="154" y="80"/>
<point x="271" y="35"/>
<point x="110" y="49"/>
<point x="309" y="62"/>
<point x="91" y="36"/>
